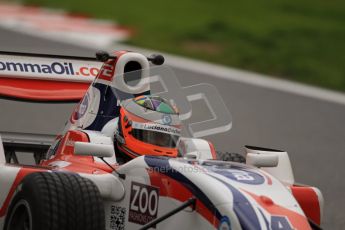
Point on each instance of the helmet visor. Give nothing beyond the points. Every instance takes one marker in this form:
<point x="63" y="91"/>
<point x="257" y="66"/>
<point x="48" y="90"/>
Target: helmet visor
<point x="156" y="138"/>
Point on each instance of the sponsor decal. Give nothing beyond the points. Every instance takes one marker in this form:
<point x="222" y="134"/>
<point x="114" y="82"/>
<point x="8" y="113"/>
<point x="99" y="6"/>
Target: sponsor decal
<point x="65" y="68"/>
<point x="60" y="164"/>
<point x="70" y="143"/>
<point x="120" y="139"/>
<point x="156" y="127"/>
<point x="49" y="68"/>
<point x="108" y="70"/>
<point x="83" y="106"/>
<point x="143" y="206"/>
<point x="117" y="217"/>
<point x="166" y="118"/>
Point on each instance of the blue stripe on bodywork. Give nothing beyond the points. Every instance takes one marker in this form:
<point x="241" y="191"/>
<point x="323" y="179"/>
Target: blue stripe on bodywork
<point x="266" y="221"/>
<point x="243" y="209"/>
<point x="255" y="178"/>
<point x="108" y="106"/>
<point x="161" y="164"/>
<point x="232" y="171"/>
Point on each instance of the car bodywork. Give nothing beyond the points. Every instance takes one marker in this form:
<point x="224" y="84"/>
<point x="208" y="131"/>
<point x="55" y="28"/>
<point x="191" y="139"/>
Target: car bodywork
<point x="261" y="194"/>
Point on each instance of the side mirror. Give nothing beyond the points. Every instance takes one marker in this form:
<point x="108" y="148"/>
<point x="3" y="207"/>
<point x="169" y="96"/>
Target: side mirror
<point x="282" y="171"/>
<point x="262" y="160"/>
<point x="95" y="150"/>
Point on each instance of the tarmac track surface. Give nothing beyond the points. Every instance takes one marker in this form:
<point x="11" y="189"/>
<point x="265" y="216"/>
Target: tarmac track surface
<point x="311" y="130"/>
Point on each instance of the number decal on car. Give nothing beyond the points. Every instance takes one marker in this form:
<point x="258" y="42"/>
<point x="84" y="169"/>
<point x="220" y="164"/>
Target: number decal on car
<point x="280" y="223"/>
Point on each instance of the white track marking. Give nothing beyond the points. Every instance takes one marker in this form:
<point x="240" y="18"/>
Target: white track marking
<point x="60" y="26"/>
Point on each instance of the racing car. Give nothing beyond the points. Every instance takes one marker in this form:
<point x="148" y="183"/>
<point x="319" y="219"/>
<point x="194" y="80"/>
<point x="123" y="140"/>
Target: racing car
<point x="122" y="163"/>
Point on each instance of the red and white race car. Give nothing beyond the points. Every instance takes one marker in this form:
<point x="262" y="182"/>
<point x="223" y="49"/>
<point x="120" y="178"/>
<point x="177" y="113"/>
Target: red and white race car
<point x="121" y="162"/>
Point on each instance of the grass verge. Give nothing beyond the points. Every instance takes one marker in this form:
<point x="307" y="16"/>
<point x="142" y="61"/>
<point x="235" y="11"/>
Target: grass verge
<point x="298" y="40"/>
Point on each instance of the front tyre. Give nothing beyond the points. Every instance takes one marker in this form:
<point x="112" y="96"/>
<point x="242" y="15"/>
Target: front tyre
<point x="21" y="216"/>
<point x="56" y="201"/>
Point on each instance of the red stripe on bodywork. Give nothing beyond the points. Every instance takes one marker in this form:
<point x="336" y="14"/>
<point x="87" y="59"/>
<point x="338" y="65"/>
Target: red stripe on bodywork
<point x="213" y="150"/>
<point x="297" y="220"/>
<point x="174" y="189"/>
<point x="309" y="202"/>
<point x="107" y="71"/>
<point x="42" y="90"/>
<point x="268" y="177"/>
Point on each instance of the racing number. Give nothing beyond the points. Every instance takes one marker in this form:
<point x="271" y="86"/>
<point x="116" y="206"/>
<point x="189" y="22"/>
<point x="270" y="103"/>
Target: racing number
<point x="280" y="223"/>
<point x="240" y="175"/>
<point x="143" y="203"/>
<point x="107" y="71"/>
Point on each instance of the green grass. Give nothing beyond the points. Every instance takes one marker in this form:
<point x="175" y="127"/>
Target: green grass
<point x="300" y="40"/>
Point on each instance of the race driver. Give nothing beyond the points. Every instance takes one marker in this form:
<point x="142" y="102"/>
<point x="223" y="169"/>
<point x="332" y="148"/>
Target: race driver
<point x="147" y="125"/>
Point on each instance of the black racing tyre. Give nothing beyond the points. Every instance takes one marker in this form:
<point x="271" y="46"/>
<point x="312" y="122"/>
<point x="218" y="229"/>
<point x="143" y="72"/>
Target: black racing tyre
<point x="56" y="201"/>
<point x="227" y="156"/>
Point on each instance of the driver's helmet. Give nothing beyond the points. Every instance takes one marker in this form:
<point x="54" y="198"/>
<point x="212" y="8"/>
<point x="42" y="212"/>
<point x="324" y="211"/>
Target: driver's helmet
<point x="148" y="125"/>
